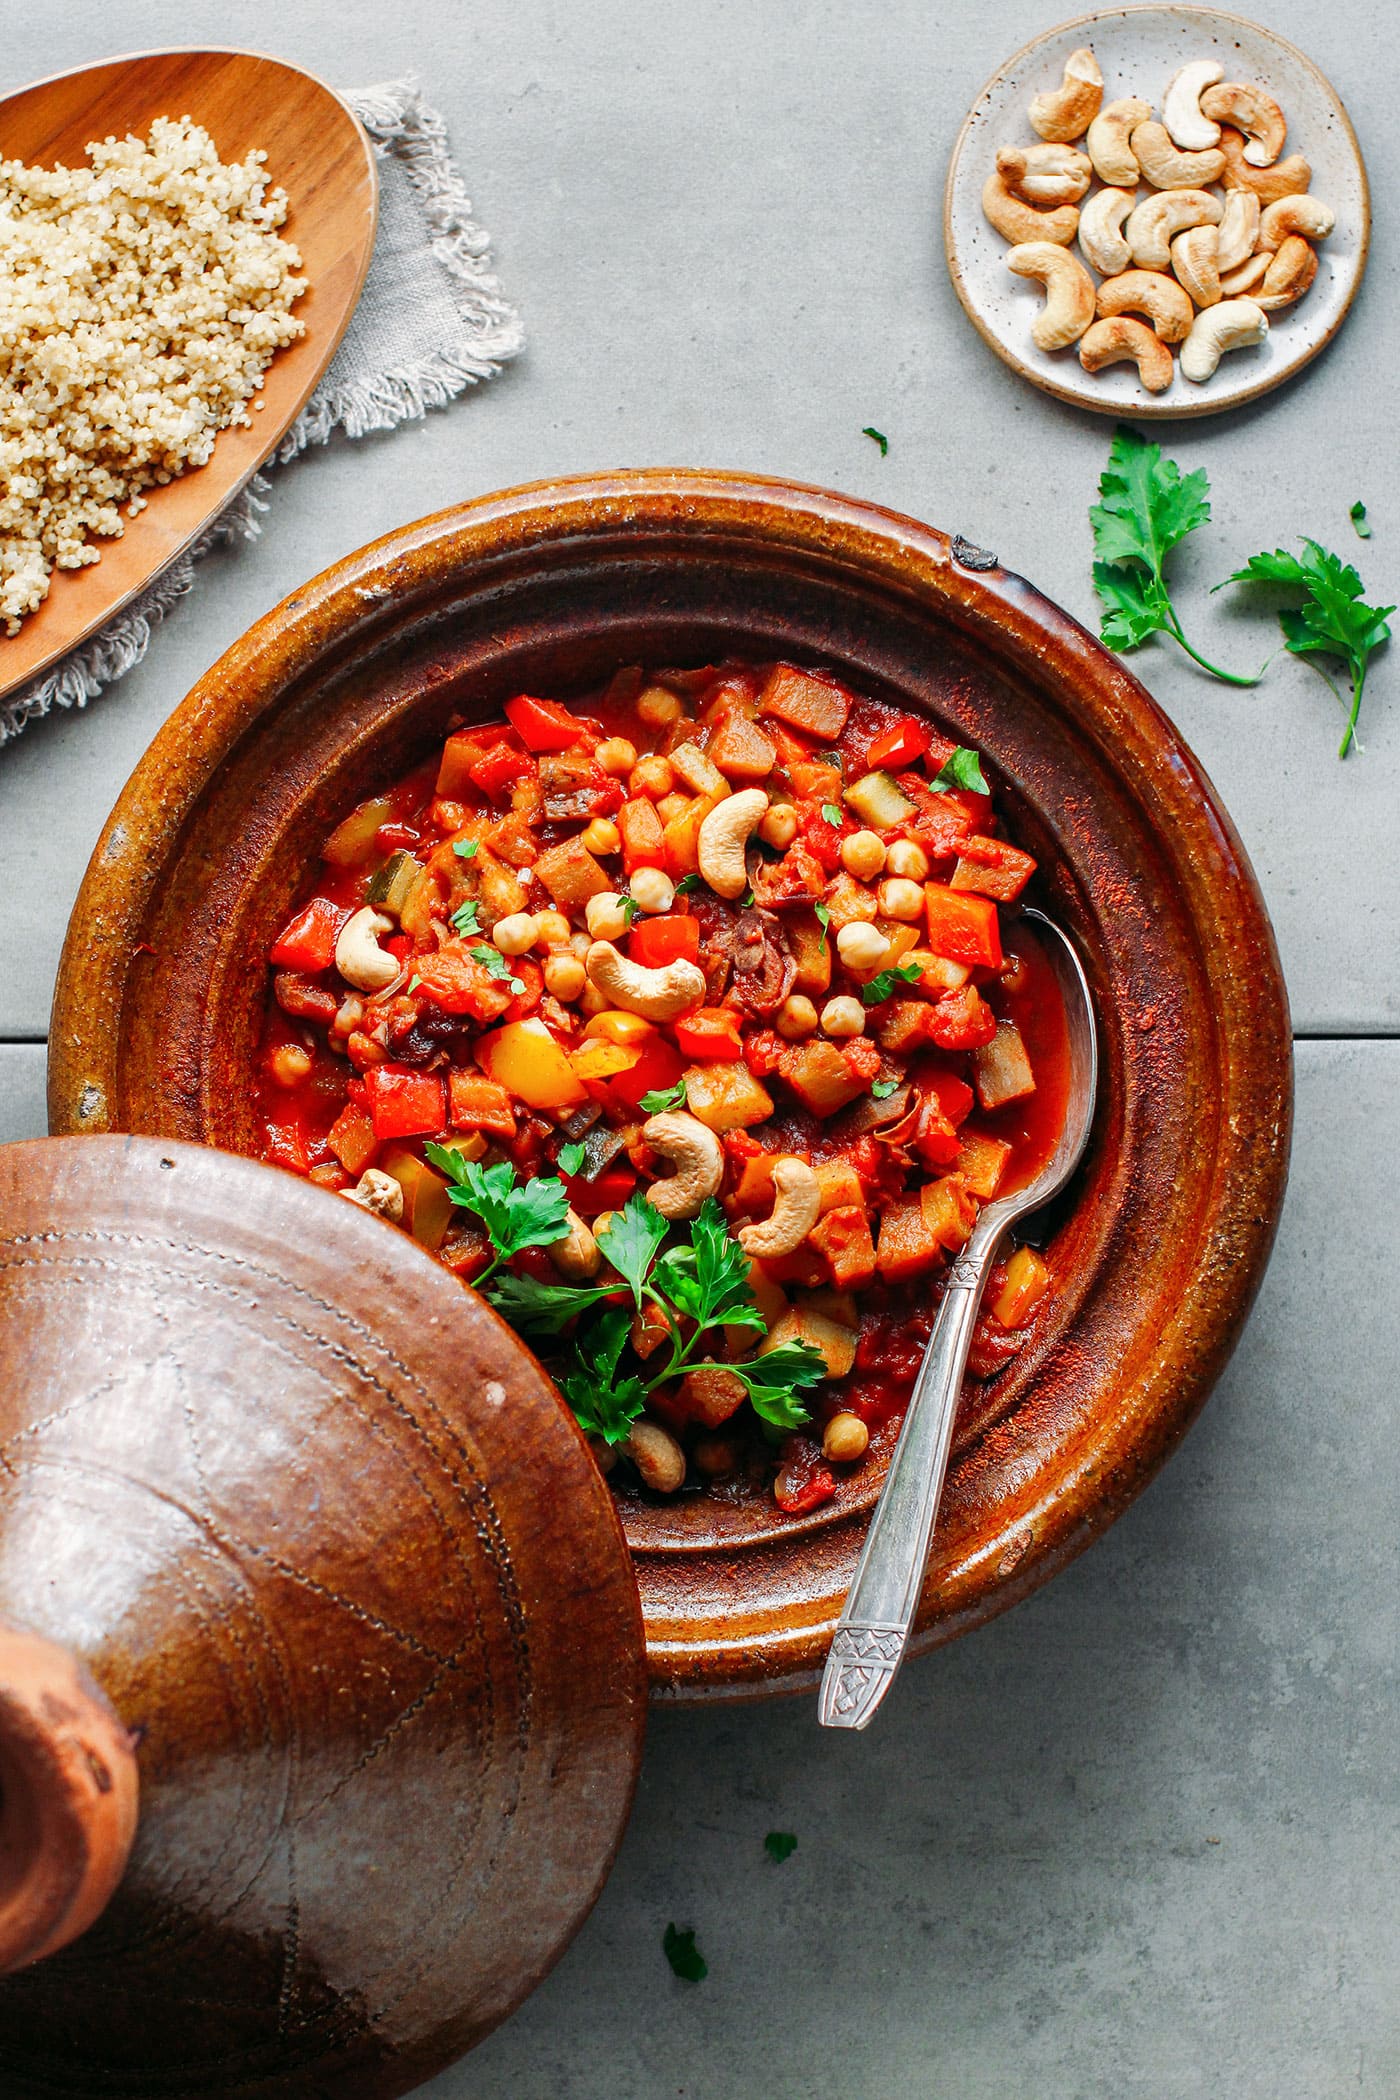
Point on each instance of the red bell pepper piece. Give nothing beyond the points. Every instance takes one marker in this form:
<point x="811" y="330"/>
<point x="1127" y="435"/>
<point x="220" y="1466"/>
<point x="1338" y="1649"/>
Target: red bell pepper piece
<point x="607" y="1191"/>
<point x="393" y="838"/>
<point x="405" y="1103"/>
<point x="480" y="1104"/>
<point x="527" y="972"/>
<point x="823" y="840"/>
<point x="543" y="725"/>
<point x="656" y="1071"/>
<point x="804" y="1483"/>
<point x="763" y="1051"/>
<point x="667" y="938"/>
<point x="903" y="745"/>
<point x="711" y="1032"/>
<point x="496" y="771"/>
<point x="963" y="926"/>
<point x="286" y="1145"/>
<point x="308" y="941"/>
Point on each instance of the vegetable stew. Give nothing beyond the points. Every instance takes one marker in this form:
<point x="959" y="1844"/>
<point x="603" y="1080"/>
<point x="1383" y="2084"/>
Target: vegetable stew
<point x="692" y="1022"/>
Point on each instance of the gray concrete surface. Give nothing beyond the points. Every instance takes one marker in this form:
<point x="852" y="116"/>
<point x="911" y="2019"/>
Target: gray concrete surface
<point x="1141" y="1837"/>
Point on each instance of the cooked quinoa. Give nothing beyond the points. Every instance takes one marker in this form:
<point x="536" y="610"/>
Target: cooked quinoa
<point x="142" y="298"/>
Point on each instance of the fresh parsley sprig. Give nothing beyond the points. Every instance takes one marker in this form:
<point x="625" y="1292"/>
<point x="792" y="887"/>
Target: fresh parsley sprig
<point x="495" y="965"/>
<point x="1333" y="619"/>
<point x="1146" y="507"/>
<point x="962" y="769"/>
<point x="661" y="1098"/>
<point x="699" y="1284"/>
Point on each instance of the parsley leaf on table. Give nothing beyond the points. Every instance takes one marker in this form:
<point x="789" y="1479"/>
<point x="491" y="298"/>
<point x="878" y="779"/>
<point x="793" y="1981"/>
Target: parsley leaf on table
<point x="780" y="1845"/>
<point x="1359" y="519"/>
<point x="685" y="1957"/>
<point x="1146" y="507"/>
<point x="605" y="1404"/>
<point x="631" y="1239"/>
<point x="888" y="982"/>
<point x="533" y="1214"/>
<point x="868" y="430"/>
<point x="962" y="770"/>
<point x="1333" y="619"/>
<point x="660" y="1099"/>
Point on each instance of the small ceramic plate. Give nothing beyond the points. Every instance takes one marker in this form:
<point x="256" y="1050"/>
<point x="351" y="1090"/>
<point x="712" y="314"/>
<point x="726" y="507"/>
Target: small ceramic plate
<point x="1138" y="50"/>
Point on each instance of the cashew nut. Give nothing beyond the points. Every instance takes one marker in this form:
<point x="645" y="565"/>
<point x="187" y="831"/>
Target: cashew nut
<point x="1194" y="261"/>
<point x="1016" y="220"/>
<point x="1149" y="292"/>
<point x="1166" y="167"/>
<point x="1181" y="105"/>
<point x="1251" y="272"/>
<point x="1066" y="112"/>
<point x="1308" y="216"/>
<point x="1285" y="178"/>
<point x="1120" y="340"/>
<point x="797" y="1202"/>
<point x="1045" y="174"/>
<point x="577" y="1255"/>
<point x="1232" y="325"/>
<point x="1101" y="231"/>
<point x="1107" y="141"/>
<point x="1069" y="292"/>
<point x="657" y="1456"/>
<point x="358" y="956"/>
<point x="378" y="1193"/>
<point x="697" y="1160"/>
<point x="657" y="995"/>
<point x="723" y="836"/>
<point x="1288" y="276"/>
<point x="1251" y="111"/>
<point x="1239" y="229"/>
<point x="1155" y="224"/>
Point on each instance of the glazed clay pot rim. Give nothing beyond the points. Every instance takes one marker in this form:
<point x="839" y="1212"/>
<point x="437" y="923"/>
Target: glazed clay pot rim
<point x="1072" y="1488"/>
<point x="1178" y="407"/>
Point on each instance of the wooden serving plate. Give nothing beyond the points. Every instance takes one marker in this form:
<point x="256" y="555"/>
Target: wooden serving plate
<point x="353" y="678"/>
<point x="318" y="153"/>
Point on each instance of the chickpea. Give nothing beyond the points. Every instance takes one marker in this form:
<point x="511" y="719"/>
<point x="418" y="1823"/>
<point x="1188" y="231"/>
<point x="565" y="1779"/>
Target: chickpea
<point x="901" y="899"/>
<point x="564" y="976"/>
<point x="861" y="946"/>
<point x="602" y="836"/>
<point x="652" y="890"/>
<point x="607" y="916"/>
<point x="652" y="776"/>
<point x="863" y="855"/>
<point x="796" y="1017"/>
<point x="516" y="933"/>
<point x="605" y="1221"/>
<point x="290" y="1063"/>
<point x="778" y="826"/>
<point x="616" y="755"/>
<point x="552" y="930"/>
<point x="907" y="857"/>
<point x="580" y="943"/>
<point x="672" y="806"/>
<point x="845" y="1439"/>
<point x="591" y="1001"/>
<point x="349" y="1015"/>
<point x="843" y="1016"/>
<point x="658" y="708"/>
<point x="615" y="1026"/>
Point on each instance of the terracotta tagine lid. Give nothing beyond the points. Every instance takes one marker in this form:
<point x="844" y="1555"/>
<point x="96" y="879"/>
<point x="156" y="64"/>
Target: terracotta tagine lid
<point x="321" y="1673"/>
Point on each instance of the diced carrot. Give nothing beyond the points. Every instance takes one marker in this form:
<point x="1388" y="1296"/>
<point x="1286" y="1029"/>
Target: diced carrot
<point x="667" y="938"/>
<point x="815" y="705"/>
<point x="963" y="927"/>
<point x="753" y="1192"/>
<point x="479" y="1104"/>
<point x="643" y="835"/>
<point x="351" y="1138"/>
<point x="680" y="841"/>
<point x="842" y="1238"/>
<point x="710" y="1033"/>
<point x="403" y="1102"/>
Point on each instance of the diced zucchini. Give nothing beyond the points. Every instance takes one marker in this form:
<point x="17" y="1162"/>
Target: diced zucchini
<point x="1001" y="1069"/>
<point x="353" y="841"/>
<point x="879" y="800"/>
<point x="391" y="886"/>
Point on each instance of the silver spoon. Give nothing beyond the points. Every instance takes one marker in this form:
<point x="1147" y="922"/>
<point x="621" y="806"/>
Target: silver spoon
<point x="870" y="1641"/>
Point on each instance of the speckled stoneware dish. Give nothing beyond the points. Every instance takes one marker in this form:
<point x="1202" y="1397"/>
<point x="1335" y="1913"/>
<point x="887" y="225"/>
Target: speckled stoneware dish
<point x="1138" y="50"/>
<point x="1160" y="1244"/>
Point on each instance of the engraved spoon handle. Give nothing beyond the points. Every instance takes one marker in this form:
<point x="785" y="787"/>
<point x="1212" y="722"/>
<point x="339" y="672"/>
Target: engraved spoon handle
<point x="879" y="1610"/>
